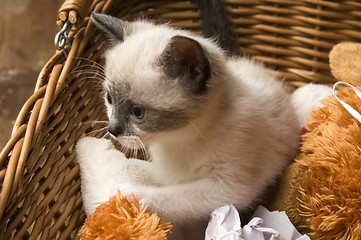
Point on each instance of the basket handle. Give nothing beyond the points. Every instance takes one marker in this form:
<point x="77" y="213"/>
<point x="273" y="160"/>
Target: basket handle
<point x="73" y="10"/>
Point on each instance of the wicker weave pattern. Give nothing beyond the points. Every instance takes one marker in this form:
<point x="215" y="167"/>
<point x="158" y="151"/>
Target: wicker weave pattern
<point x="295" y="37"/>
<point x="39" y="181"/>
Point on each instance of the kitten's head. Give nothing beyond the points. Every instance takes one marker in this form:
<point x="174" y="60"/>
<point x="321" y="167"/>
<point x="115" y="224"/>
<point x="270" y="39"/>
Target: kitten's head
<point x="157" y="78"/>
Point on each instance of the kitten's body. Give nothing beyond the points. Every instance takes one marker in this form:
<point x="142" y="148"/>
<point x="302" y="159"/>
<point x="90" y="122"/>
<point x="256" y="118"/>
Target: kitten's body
<point x="221" y="138"/>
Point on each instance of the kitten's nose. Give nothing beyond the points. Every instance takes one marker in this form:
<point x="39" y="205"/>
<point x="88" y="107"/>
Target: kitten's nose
<point x="115" y="129"/>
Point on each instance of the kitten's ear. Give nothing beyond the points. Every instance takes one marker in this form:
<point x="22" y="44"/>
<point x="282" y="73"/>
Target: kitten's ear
<point x="113" y="26"/>
<point x="184" y="59"/>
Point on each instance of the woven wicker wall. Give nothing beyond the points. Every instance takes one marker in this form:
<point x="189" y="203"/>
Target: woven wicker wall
<point x="295" y="37"/>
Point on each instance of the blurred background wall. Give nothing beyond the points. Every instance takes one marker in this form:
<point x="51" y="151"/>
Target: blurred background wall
<point x="27" y="30"/>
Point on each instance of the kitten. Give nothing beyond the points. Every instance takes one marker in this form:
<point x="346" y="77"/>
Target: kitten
<point x="218" y="130"/>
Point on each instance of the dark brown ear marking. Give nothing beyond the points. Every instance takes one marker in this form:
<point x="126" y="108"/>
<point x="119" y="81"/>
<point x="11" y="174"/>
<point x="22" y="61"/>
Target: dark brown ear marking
<point x="184" y="59"/>
<point x="113" y="26"/>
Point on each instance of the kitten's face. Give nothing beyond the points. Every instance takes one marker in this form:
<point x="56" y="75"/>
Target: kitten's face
<point x="156" y="81"/>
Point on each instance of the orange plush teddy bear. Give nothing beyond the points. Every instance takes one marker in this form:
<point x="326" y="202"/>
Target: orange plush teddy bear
<point x="321" y="191"/>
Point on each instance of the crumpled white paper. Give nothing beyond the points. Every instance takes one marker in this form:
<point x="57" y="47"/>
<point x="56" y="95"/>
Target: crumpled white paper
<point x="225" y="224"/>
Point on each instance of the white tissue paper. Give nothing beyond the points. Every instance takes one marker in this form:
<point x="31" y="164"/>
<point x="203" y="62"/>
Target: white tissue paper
<point x="225" y="224"/>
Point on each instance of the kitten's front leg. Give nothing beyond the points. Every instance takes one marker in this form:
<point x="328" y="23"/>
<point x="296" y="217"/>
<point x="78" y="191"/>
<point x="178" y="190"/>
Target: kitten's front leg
<point x="103" y="168"/>
<point x="184" y="202"/>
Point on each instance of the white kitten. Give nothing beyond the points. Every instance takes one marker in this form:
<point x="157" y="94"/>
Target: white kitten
<point x="219" y="131"/>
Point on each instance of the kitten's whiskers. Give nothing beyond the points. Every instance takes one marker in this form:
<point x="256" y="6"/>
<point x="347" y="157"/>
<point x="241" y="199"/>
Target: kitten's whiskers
<point x="132" y="146"/>
<point x="198" y="131"/>
<point x="101" y="131"/>
<point x="91" y="61"/>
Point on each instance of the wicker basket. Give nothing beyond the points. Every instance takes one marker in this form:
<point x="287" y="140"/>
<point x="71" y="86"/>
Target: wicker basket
<point x="39" y="179"/>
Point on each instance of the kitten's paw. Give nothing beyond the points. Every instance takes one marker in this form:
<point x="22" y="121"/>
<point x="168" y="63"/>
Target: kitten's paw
<point x="97" y="152"/>
<point x="89" y="144"/>
<point x="130" y="190"/>
<point x="149" y="197"/>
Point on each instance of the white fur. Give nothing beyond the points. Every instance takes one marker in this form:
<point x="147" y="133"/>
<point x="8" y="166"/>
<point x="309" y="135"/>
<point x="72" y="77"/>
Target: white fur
<point x="239" y="143"/>
<point x="308" y="97"/>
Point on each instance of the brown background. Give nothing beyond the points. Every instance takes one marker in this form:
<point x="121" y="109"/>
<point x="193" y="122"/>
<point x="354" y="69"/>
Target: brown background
<point x="27" y="30"/>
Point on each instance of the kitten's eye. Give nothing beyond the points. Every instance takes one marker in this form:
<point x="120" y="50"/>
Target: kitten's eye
<point x="137" y="112"/>
<point x="109" y="98"/>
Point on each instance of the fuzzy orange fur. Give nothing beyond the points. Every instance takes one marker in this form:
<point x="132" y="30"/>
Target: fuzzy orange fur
<point x="120" y="219"/>
<point x="330" y="189"/>
<point x="345" y="62"/>
<point x="321" y="191"/>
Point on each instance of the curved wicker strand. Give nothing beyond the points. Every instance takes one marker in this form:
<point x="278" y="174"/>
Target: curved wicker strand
<point x="26" y="109"/>
<point x="9" y="176"/>
<point x="15" y="167"/>
<point x="28" y="140"/>
<point x="19" y="133"/>
<point x="45" y="71"/>
<point x="49" y="96"/>
<point x="71" y="9"/>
